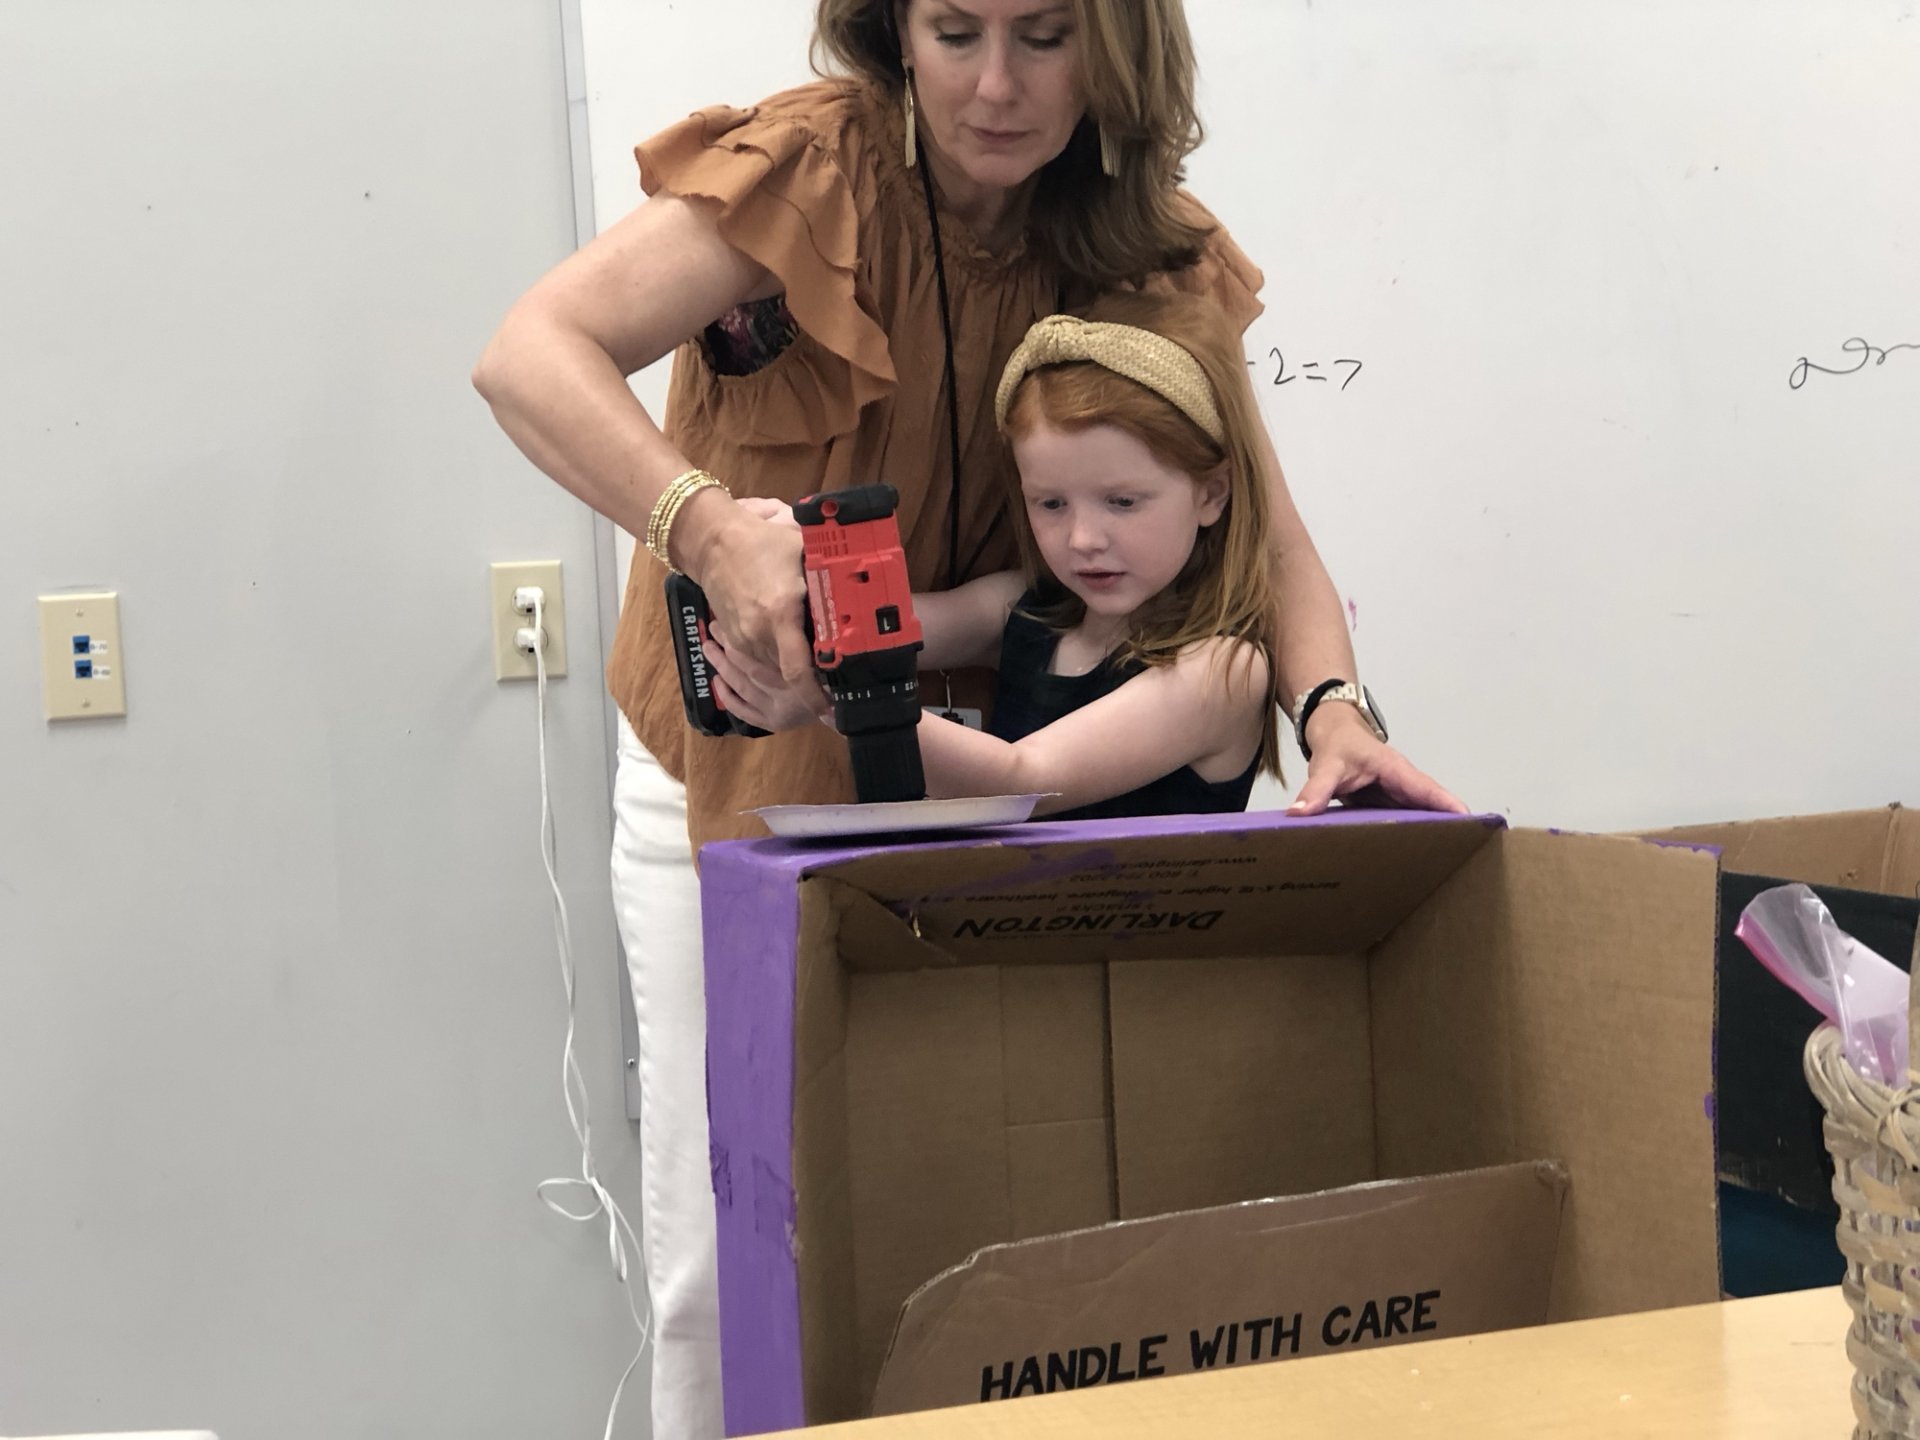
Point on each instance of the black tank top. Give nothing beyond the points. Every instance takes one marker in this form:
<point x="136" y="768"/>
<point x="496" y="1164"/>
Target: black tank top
<point x="1030" y="699"/>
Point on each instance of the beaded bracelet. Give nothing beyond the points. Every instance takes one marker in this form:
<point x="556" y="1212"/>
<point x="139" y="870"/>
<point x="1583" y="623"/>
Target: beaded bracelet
<point x="667" y="508"/>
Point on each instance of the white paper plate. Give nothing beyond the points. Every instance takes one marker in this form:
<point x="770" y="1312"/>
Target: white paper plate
<point x="812" y="822"/>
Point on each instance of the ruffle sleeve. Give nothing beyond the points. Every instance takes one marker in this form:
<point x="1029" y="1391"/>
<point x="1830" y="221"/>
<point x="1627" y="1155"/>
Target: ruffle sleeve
<point x="1223" y="272"/>
<point x="783" y="198"/>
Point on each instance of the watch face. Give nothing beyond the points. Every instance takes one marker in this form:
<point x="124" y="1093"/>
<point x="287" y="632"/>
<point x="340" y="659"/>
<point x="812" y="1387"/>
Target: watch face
<point x="1373" y="706"/>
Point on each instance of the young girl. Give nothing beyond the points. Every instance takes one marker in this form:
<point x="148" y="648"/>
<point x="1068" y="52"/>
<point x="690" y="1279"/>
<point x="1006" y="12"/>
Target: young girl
<point x="1136" y="649"/>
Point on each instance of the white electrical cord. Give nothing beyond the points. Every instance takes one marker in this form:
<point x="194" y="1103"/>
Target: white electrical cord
<point x="572" y="1086"/>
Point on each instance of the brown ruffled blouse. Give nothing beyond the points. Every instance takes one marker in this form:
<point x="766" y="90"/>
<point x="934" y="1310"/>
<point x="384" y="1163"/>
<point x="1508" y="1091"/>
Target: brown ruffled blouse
<point x="811" y="184"/>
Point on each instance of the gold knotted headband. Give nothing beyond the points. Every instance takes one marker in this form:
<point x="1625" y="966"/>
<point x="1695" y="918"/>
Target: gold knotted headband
<point x="1141" y="356"/>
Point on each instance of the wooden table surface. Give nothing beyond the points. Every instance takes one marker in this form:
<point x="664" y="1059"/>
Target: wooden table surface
<point x="1775" y="1366"/>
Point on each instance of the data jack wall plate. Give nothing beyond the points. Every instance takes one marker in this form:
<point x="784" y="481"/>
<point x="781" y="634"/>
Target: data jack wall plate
<point x="82" y="671"/>
<point x="509" y="661"/>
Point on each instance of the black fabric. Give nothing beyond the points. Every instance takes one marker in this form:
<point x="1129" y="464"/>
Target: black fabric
<point x="1030" y="699"/>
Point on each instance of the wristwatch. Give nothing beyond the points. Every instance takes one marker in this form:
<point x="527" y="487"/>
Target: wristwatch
<point x="1348" y="692"/>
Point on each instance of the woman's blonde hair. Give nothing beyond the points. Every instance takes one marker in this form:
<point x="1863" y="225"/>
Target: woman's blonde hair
<point x="1227" y="585"/>
<point x="1137" y="74"/>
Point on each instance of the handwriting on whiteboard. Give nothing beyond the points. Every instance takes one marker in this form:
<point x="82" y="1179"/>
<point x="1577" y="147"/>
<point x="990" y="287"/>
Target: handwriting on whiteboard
<point x="1310" y="370"/>
<point x="1856" y="346"/>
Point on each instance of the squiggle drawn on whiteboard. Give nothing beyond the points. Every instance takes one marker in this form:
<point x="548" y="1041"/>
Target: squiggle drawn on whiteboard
<point x="1856" y="346"/>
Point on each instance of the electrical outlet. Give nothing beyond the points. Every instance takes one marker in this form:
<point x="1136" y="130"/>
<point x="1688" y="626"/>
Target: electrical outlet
<point x="82" y="671"/>
<point x="510" y="662"/>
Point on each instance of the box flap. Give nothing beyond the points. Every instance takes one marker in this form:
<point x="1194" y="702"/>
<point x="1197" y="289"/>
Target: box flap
<point x="1852" y="848"/>
<point x="874" y="938"/>
<point x="1371" y="1265"/>
<point x="1250" y="884"/>
<point x="1563" y="985"/>
<point x="1903" y="858"/>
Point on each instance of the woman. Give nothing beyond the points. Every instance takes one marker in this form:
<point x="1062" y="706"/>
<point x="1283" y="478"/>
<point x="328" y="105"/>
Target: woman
<point x="843" y="270"/>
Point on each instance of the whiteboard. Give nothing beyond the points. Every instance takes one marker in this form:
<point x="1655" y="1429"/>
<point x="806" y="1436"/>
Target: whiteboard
<point x="1547" y="288"/>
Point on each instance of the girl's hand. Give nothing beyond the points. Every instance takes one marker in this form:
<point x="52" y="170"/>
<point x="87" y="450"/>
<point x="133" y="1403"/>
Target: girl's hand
<point x="1350" y="761"/>
<point x="772" y="705"/>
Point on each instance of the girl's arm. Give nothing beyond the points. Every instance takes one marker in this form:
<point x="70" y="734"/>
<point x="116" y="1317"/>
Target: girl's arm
<point x="1204" y="710"/>
<point x="962" y="626"/>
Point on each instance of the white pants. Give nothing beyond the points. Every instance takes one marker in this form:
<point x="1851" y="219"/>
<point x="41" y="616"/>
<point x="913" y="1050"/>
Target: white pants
<point x="656" y="897"/>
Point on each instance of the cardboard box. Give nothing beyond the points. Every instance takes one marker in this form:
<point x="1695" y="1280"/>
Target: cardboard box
<point x="1865" y="865"/>
<point x="1107" y="1047"/>
<point x="1874" y="850"/>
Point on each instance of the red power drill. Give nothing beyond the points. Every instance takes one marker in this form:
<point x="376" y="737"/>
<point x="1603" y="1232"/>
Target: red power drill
<point x="865" y="638"/>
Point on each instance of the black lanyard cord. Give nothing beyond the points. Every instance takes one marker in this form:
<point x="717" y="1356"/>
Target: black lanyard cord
<point x="953" y="388"/>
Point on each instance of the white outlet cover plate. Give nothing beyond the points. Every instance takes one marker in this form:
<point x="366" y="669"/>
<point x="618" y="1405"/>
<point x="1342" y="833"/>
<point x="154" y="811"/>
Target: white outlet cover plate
<point x="509" y="661"/>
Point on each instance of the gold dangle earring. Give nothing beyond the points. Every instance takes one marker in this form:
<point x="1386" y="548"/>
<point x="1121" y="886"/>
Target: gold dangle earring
<point x="913" y="138"/>
<point x="1109" y="153"/>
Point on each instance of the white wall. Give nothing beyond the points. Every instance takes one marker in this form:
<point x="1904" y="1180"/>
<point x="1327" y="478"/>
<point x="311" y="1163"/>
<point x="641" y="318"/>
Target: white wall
<point x="1606" y="569"/>
<point x="280" y="1014"/>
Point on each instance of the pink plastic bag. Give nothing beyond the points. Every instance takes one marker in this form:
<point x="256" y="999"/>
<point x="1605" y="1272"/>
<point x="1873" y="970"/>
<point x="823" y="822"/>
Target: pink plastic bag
<point x="1793" y="934"/>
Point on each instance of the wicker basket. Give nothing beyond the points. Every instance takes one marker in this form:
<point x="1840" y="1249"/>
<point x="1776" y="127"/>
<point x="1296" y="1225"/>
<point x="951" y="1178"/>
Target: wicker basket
<point x="1873" y="1134"/>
